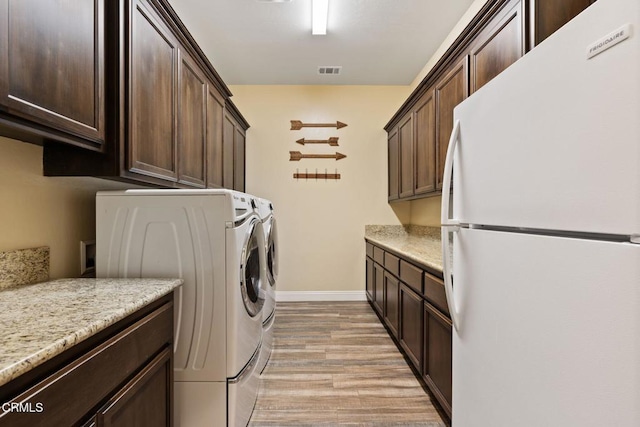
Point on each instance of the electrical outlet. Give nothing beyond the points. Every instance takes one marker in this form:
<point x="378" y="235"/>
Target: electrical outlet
<point x="88" y="258"/>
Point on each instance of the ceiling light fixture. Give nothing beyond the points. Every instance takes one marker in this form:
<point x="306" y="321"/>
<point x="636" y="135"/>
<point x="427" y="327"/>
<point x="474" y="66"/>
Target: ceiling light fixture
<point x="319" y="16"/>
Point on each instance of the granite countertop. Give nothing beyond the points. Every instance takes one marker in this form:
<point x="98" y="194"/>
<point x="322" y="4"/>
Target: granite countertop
<point x="40" y="321"/>
<point x="417" y="243"/>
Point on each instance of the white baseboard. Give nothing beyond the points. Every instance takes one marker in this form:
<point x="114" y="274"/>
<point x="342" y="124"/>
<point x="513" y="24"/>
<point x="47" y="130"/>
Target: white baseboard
<point x="299" y="296"/>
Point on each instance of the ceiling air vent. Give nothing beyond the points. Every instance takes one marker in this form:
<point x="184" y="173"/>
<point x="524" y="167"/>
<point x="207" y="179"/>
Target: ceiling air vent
<point x="332" y="70"/>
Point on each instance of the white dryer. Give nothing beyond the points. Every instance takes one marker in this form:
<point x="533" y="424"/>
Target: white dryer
<point x="266" y="212"/>
<point x="214" y="240"/>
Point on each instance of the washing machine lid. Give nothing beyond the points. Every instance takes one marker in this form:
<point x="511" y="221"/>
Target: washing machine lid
<point x="253" y="293"/>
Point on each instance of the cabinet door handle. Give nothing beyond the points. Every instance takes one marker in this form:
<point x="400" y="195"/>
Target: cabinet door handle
<point x="449" y="225"/>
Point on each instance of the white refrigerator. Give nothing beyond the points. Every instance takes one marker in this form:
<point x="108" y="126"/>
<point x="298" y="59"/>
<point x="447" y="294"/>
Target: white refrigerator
<point x="543" y="280"/>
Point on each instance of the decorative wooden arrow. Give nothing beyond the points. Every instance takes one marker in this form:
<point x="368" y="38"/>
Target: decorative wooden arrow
<point x="297" y="125"/>
<point x="331" y="141"/>
<point x="296" y="156"/>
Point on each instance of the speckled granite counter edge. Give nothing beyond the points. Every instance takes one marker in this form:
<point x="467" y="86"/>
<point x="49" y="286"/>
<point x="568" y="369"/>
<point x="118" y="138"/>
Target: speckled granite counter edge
<point x="161" y="288"/>
<point x="386" y="235"/>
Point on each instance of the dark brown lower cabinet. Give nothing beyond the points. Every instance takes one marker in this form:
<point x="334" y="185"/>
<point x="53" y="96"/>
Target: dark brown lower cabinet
<point x="413" y="307"/>
<point x="438" y="352"/>
<point x="369" y="279"/>
<point x="378" y="288"/>
<point x="142" y="402"/>
<point x="391" y="302"/>
<point x="410" y="336"/>
<point x="123" y="376"/>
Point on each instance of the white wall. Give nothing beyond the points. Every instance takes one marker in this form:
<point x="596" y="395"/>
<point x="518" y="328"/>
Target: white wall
<point x="41" y="211"/>
<point x="321" y="224"/>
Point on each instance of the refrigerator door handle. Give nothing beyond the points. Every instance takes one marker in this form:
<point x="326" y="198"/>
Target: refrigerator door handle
<point x="449" y="225"/>
<point x="446" y="183"/>
<point x="446" y="273"/>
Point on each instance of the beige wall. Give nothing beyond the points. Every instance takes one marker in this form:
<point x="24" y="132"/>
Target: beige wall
<point x="448" y="41"/>
<point x="321" y="224"/>
<point x="427" y="211"/>
<point x="41" y="211"/>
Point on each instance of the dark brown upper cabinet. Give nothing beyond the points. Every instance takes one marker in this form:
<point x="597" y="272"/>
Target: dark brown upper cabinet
<point x="425" y="144"/>
<point x="497" y="46"/>
<point x="166" y="108"/>
<point x="52" y="70"/>
<point x="215" y="120"/>
<point x="450" y="90"/>
<point x="233" y="148"/>
<point x="239" y="167"/>
<point x="393" y="155"/>
<point x="405" y="141"/>
<point x="547" y="16"/>
<point x="152" y="56"/>
<point x="192" y="124"/>
<point x="500" y="33"/>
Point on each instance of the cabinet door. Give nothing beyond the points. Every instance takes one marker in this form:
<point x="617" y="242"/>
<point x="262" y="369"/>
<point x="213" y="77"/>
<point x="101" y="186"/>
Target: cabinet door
<point x="425" y="144"/>
<point x="369" y="279"/>
<point x="437" y="360"/>
<point x="391" y="302"/>
<point x="52" y="64"/>
<point x="394" y="162"/>
<point x="405" y="141"/>
<point x="499" y="45"/>
<point x="192" y="123"/>
<point x="71" y="393"/>
<point x="411" y="325"/>
<point x="153" y="60"/>
<point x="451" y="90"/>
<point x="239" y="148"/>
<point x="229" y="131"/>
<point x="215" y="118"/>
<point x="547" y="16"/>
<point x="145" y="401"/>
<point x="378" y="288"/>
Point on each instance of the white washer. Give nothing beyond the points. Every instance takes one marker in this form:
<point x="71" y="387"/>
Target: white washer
<point x="265" y="210"/>
<point x="214" y="240"/>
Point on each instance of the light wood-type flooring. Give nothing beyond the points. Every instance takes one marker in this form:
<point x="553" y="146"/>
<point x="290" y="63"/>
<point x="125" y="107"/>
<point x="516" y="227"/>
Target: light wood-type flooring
<point x="333" y="363"/>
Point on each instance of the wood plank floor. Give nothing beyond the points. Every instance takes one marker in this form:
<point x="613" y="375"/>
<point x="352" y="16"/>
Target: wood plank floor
<point x="333" y="363"/>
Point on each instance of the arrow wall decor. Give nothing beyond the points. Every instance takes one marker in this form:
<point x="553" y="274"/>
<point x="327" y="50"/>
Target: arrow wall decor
<point x="297" y="125"/>
<point x="297" y="156"/>
<point x="316" y="175"/>
<point x="331" y="141"/>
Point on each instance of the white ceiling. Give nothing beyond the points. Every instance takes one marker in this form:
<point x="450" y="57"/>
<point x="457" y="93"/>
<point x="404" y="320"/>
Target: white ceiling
<point x="377" y="42"/>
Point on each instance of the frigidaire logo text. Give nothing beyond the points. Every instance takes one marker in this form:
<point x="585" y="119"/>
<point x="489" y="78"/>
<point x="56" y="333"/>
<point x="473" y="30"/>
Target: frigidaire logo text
<point x="610" y="40"/>
<point x="606" y="41"/>
<point x="23" y="407"/>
